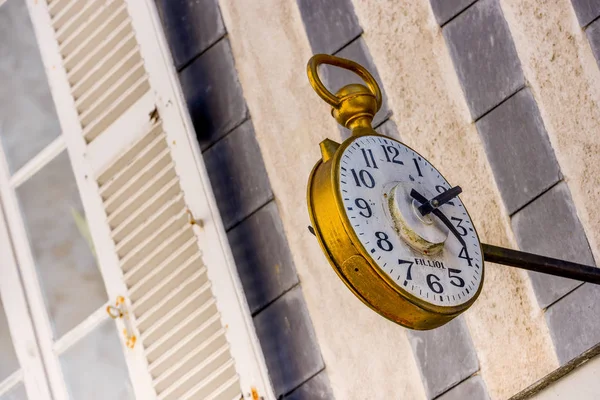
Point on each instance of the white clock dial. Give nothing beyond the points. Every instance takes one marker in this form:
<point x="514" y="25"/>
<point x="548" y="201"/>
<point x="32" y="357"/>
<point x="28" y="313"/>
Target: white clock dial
<point x="420" y="254"/>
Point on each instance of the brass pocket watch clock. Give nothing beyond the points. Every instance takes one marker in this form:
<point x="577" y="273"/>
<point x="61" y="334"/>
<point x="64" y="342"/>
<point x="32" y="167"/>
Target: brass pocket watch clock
<point x="392" y="227"/>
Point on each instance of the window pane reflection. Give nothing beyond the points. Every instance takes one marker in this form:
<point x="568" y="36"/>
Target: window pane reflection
<point x="95" y="368"/>
<point x="17" y="393"/>
<point x="53" y="215"/>
<point x="28" y="120"/>
<point x="8" y="359"/>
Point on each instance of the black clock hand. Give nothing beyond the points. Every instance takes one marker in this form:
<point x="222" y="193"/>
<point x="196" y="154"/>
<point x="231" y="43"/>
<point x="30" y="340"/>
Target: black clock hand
<point x="441" y="216"/>
<point x="519" y="259"/>
<point x="439" y="200"/>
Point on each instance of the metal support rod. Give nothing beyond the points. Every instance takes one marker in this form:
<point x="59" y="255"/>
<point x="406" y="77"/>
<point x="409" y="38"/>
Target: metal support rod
<point x="545" y="265"/>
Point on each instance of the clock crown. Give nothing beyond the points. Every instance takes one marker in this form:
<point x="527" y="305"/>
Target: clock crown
<point x="358" y="106"/>
<point x="354" y="105"/>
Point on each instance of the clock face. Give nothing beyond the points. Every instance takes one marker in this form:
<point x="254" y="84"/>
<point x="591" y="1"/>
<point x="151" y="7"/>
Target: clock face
<point x="420" y="254"/>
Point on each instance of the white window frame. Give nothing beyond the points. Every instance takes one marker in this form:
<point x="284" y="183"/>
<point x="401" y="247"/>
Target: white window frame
<point x="31" y="372"/>
<point x="25" y="267"/>
<point x="87" y="160"/>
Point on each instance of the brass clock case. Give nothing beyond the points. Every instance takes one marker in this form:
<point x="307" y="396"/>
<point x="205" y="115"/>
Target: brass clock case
<point x="332" y="227"/>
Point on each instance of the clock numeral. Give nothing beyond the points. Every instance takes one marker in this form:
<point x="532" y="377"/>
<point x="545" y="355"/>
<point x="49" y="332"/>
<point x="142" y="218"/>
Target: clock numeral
<point x="461" y="229"/>
<point x="440" y="189"/>
<point x="363" y="205"/>
<point x="391" y="150"/>
<point x="455" y="279"/>
<point x="465" y="256"/>
<point x="418" y="168"/>
<point x="410" y="264"/>
<point x="368" y="155"/>
<point x="382" y="241"/>
<point x="434" y="284"/>
<point x="363" y="177"/>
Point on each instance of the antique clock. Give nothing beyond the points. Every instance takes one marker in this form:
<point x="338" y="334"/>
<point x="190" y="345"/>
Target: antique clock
<point x="392" y="227"/>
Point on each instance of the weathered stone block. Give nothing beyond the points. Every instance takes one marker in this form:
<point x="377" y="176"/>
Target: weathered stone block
<point x="549" y="226"/>
<point x="262" y="257"/>
<point x="316" y="388"/>
<point x="190" y="26"/>
<point x="471" y="389"/>
<point x="330" y="25"/>
<point x="593" y="35"/>
<point x="573" y="322"/>
<point x="237" y="174"/>
<point x="445" y="356"/>
<point x="288" y="342"/>
<point x="445" y="10"/>
<point x="213" y="94"/>
<point x="484" y="56"/>
<point x="586" y="10"/>
<point x="519" y="150"/>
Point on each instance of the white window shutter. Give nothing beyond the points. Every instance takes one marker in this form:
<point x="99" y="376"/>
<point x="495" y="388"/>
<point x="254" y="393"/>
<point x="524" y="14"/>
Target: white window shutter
<point x="152" y="216"/>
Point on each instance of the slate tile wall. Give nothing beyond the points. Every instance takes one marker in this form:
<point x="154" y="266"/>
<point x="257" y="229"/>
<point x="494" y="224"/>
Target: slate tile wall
<point x="317" y="388"/>
<point x="472" y="389"/>
<point x="571" y="327"/>
<point x="587" y="11"/>
<point x="525" y="168"/>
<point x="202" y="55"/>
<point x="588" y="15"/>
<point x="519" y="150"/>
<point x="533" y="222"/>
<point x="445" y="10"/>
<point x="445" y="356"/>
<point x="495" y="72"/>
<point x="593" y="34"/>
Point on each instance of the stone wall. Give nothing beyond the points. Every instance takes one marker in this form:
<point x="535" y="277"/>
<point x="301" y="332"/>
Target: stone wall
<point x="501" y="95"/>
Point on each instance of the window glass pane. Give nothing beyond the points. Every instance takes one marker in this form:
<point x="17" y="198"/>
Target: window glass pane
<point x="16" y="393"/>
<point x="95" y="369"/>
<point x="28" y="120"/>
<point x="8" y="358"/>
<point x="71" y="282"/>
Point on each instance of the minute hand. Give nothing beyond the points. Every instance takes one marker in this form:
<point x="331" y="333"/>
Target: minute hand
<point x="441" y="216"/>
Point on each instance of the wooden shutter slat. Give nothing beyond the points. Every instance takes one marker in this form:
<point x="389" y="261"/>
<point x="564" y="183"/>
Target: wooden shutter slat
<point x="79" y="67"/>
<point x="76" y="23"/>
<point x="159" y="258"/>
<point x="174" y="271"/>
<point x="206" y="386"/>
<point x="116" y="109"/>
<point x="159" y="326"/>
<point x="214" y="346"/>
<point x="215" y="363"/>
<point x="111" y="60"/>
<point x="77" y="47"/>
<point x="122" y="66"/>
<point x="183" y="347"/>
<point x="185" y="328"/>
<point x="156" y="307"/>
<point x="164" y="179"/>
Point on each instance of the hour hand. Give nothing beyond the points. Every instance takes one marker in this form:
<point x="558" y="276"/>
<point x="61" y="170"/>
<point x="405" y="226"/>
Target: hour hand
<point x="438" y="213"/>
<point x="439" y="200"/>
